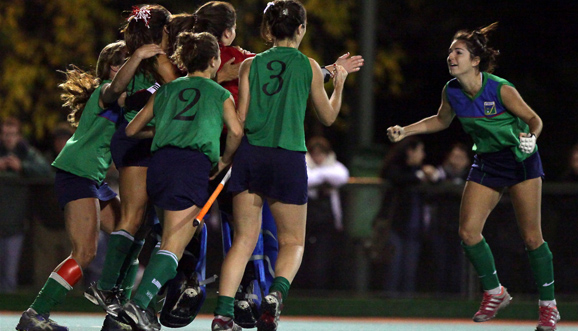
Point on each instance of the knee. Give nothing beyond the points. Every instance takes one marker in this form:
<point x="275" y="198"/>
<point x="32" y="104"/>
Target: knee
<point x="469" y="237"/>
<point x="532" y="241"/>
<point x="291" y="241"/>
<point x="84" y="255"/>
<point x="246" y="241"/>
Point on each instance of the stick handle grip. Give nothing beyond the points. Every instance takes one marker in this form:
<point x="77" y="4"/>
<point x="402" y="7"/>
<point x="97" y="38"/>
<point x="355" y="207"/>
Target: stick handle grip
<point x="212" y="198"/>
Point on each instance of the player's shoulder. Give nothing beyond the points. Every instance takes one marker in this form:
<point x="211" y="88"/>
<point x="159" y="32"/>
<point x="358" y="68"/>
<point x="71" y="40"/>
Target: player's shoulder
<point x="247" y="63"/>
<point x="313" y="63"/>
<point x="453" y="84"/>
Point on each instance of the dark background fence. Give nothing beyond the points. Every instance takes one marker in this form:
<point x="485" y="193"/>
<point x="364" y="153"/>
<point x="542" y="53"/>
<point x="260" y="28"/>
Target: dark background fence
<point x="442" y="268"/>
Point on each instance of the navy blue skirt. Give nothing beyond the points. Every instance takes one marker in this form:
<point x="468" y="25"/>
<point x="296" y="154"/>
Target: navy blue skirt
<point x="501" y="169"/>
<point x="275" y="173"/>
<point x="178" y="178"/>
<point x="129" y="152"/>
<point x="70" y="187"/>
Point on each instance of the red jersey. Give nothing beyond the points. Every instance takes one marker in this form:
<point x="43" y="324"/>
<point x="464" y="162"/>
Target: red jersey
<point x="227" y="53"/>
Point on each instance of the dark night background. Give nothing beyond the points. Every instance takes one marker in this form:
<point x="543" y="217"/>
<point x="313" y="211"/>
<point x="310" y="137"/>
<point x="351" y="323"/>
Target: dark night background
<point x="538" y="42"/>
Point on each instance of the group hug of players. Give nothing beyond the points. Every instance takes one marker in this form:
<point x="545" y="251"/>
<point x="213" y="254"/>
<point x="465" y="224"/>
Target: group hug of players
<point x="175" y="106"/>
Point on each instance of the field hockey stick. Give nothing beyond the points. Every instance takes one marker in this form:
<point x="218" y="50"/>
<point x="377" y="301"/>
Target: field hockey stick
<point x="212" y="198"/>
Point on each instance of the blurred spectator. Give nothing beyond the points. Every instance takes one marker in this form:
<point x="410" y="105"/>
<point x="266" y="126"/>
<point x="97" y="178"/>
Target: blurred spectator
<point x="17" y="160"/>
<point x="324" y="214"/>
<point x="456" y="165"/>
<point x="443" y="238"/>
<point x="51" y="244"/>
<point x="17" y="157"/>
<point x="403" y="208"/>
<point x="59" y="136"/>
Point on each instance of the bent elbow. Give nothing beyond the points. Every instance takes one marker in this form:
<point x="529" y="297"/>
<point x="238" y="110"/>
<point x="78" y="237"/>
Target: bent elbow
<point x="129" y="132"/>
<point x="328" y="121"/>
<point x="236" y="133"/>
<point x="239" y="134"/>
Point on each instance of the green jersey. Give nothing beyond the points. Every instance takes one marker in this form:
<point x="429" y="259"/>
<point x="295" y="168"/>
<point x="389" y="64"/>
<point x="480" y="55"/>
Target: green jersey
<point x="280" y="82"/>
<point x="87" y="152"/>
<point x="485" y="118"/>
<point x="139" y="82"/>
<point x="188" y="113"/>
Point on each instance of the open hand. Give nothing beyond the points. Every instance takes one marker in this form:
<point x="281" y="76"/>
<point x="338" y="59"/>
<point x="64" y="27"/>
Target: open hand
<point x="351" y="64"/>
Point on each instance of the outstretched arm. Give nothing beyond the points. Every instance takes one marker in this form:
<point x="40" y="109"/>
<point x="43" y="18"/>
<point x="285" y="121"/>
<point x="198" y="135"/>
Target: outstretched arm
<point x="351" y="64"/>
<point x="111" y="92"/>
<point x="431" y="124"/>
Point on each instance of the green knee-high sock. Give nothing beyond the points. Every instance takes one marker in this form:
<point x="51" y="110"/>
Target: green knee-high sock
<point x="52" y="294"/>
<point x="480" y="255"/>
<point x="281" y="285"/>
<point x="127" y="284"/>
<point x="119" y="247"/>
<point x="162" y="267"/>
<point x="130" y="269"/>
<point x="225" y="306"/>
<point x="543" y="269"/>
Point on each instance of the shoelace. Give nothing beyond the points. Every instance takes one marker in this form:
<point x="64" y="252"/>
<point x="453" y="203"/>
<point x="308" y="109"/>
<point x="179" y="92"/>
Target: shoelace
<point x="548" y="315"/>
<point x="487" y="304"/>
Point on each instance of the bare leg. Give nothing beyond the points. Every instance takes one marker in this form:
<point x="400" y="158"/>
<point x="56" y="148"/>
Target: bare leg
<point x="178" y="229"/>
<point x="247" y="225"/>
<point x="290" y="220"/>
<point x="109" y="214"/>
<point x="82" y="226"/>
<point x="478" y="201"/>
<point x="133" y="194"/>
<point x="527" y="201"/>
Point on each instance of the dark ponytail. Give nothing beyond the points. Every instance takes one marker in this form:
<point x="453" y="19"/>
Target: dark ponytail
<point x="477" y="44"/>
<point x="195" y="50"/>
<point x="215" y="17"/>
<point x="281" y="19"/>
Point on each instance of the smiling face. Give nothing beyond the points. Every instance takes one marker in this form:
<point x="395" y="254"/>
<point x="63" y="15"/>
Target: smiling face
<point x="460" y="59"/>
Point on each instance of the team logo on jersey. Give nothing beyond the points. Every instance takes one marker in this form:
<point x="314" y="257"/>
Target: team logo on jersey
<point x="489" y="108"/>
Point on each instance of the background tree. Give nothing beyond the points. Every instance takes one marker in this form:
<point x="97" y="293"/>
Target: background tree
<point x="38" y="38"/>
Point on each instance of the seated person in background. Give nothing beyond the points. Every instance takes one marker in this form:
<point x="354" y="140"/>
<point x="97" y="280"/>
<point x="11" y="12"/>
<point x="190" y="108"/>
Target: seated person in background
<point x="324" y="215"/>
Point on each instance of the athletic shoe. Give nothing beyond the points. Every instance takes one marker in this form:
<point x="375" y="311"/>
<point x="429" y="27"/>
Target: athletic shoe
<point x="113" y="324"/>
<point x="183" y="300"/>
<point x="244" y="314"/>
<point x="32" y="321"/>
<point x="137" y="317"/>
<point x="270" y="310"/>
<point x="152" y="315"/>
<point x="106" y="299"/>
<point x="247" y="304"/>
<point x="549" y="317"/>
<point x="491" y="304"/>
<point x="222" y="323"/>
